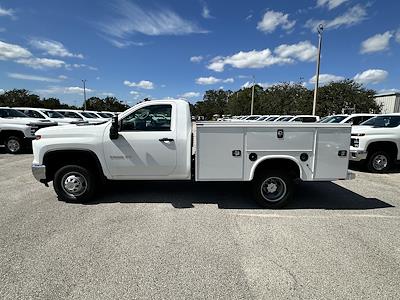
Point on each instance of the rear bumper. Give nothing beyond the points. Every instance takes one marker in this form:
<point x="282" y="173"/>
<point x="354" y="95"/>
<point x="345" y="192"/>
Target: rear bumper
<point x="39" y="172"/>
<point x="350" y="176"/>
<point x="358" y="155"/>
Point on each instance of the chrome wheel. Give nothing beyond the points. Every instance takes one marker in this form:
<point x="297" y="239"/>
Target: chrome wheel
<point x="273" y="189"/>
<point x="13" y="145"/>
<point x="380" y="162"/>
<point x="74" y="184"/>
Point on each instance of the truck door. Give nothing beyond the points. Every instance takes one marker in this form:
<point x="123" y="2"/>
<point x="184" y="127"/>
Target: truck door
<point x="146" y="146"/>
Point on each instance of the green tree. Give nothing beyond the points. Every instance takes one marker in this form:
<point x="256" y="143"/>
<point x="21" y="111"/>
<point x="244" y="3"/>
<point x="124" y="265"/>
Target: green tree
<point x="20" y="97"/>
<point x="345" y="94"/>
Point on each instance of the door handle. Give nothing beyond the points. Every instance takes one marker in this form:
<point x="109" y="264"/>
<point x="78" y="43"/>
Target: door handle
<point x="166" y="140"/>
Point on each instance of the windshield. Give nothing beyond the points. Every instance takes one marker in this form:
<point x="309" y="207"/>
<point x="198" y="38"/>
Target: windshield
<point x="52" y="114"/>
<point x="383" y="121"/>
<point x="88" y="115"/>
<point x="105" y="115"/>
<point x="272" y="118"/>
<point x="333" y="119"/>
<point x="253" y="118"/>
<point x="11" y="113"/>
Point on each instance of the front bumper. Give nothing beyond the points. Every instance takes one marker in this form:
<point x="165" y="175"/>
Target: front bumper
<point x="358" y="155"/>
<point x="39" y="172"/>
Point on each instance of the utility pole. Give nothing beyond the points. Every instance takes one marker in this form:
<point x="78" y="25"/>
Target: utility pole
<point x="319" y="29"/>
<point x="84" y="94"/>
<point x="252" y="96"/>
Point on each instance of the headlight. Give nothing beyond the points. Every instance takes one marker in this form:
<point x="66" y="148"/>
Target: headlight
<point x="355" y="143"/>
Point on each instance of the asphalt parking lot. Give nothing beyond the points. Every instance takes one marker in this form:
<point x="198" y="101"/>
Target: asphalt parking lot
<point x="185" y="240"/>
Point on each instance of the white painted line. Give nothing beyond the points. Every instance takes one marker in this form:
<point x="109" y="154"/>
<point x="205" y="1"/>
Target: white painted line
<point x="315" y="217"/>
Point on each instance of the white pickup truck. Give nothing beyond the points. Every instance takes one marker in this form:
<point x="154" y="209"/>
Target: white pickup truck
<point x="376" y="142"/>
<point x="153" y="141"/>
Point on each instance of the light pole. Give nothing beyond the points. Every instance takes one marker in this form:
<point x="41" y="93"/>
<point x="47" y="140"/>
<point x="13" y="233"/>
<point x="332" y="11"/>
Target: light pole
<point x="84" y="94"/>
<point x="252" y="96"/>
<point x="319" y="29"/>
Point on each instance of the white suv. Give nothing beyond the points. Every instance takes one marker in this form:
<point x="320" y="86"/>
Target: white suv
<point x="48" y="114"/>
<point x="376" y="142"/>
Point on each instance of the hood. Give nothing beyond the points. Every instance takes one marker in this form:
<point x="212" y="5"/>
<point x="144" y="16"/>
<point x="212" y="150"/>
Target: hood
<point x="370" y="130"/>
<point x="73" y="130"/>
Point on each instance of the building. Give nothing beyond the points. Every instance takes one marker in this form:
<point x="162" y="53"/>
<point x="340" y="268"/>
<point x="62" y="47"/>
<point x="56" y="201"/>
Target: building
<point x="390" y="102"/>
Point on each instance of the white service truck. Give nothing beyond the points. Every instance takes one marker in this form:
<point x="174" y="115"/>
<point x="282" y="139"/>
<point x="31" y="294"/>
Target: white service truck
<point x="153" y="141"/>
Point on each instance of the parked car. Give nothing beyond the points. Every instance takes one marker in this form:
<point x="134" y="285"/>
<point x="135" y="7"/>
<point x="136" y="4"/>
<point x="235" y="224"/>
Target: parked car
<point x="284" y="118"/>
<point x="376" y="142"/>
<point x="354" y="119"/>
<point x="138" y="146"/>
<point x="17" y="130"/>
<point x="106" y="114"/>
<point x="272" y="118"/>
<point x="304" y="119"/>
<point x="48" y="114"/>
<point x="85" y="116"/>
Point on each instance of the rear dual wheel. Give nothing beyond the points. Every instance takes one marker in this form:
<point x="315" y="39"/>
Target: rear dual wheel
<point x="273" y="189"/>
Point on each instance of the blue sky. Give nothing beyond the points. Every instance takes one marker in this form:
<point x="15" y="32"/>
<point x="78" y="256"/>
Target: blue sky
<point x="179" y="48"/>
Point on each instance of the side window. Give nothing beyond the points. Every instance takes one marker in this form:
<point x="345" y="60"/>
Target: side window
<point x="357" y="120"/>
<point x="33" y="114"/>
<point x="70" y="114"/>
<point x="149" y="118"/>
<point x="309" y="119"/>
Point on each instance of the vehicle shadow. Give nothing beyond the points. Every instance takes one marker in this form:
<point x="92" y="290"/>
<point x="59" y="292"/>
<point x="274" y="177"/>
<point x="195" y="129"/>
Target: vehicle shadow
<point x="232" y="195"/>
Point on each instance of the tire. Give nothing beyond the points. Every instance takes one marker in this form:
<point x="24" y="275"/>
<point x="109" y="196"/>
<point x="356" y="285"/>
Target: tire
<point x="74" y="184"/>
<point x="280" y="189"/>
<point x="379" y="162"/>
<point x="14" y="144"/>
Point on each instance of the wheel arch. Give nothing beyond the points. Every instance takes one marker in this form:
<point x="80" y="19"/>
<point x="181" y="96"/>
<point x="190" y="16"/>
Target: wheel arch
<point x="388" y="146"/>
<point x="274" y="161"/>
<point x="55" y="159"/>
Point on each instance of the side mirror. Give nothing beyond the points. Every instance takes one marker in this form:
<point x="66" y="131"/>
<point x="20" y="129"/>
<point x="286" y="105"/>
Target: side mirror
<point x="114" y="128"/>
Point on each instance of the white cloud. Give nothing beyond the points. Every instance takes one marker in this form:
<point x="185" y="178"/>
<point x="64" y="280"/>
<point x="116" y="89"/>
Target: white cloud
<point x="205" y="12"/>
<point x="63" y="77"/>
<point x="32" y="77"/>
<point x="252" y="59"/>
<point x="2" y="91"/>
<point x="398" y="36"/>
<point x="134" y="93"/>
<point x="107" y="94"/>
<point x="131" y="19"/>
<point x="331" y="4"/>
<point x="41" y="63"/>
<point x="376" y="43"/>
<point x="12" y="51"/>
<point x="77" y="66"/>
<point x="196" y="59"/>
<point x="352" y="16"/>
<point x="388" y="91"/>
<point x="123" y="44"/>
<point x="2" y="29"/>
<point x="303" y="51"/>
<point x="53" y="48"/>
<point x="229" y="80"/>
<point x="143" y="84"/>
<point x="190" y="95"/>
<point x="326" y="78"/>
<point x="7" y="12"/>
<point x="372" y="76"/>
<point x="207" y="80"/>
<point x="56" y="90"/>
<point x="274" y="19"/>
<point x="249" y="84"/>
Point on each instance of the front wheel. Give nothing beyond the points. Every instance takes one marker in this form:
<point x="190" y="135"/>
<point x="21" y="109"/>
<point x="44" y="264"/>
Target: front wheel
<point x="74" y="184"/>
<point x="379" y="162"/>
<point x="14" y="144"/>
<point x="273" y="189"/>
